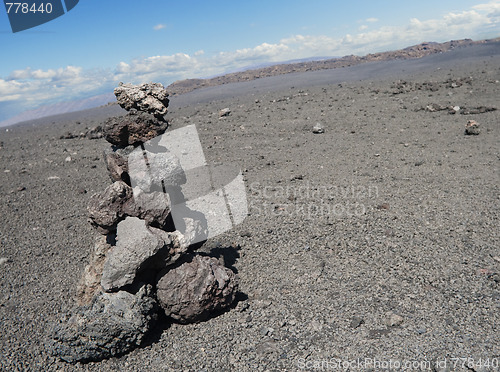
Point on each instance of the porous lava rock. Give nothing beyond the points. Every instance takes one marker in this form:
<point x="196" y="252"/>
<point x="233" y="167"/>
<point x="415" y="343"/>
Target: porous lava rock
<point x="192" y="291"/>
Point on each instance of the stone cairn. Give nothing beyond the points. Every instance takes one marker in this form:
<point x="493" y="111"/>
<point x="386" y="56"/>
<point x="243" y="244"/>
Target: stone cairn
<point x="141" y="264"/>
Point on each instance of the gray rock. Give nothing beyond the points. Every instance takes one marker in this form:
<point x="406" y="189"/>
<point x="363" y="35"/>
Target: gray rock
<point x="318" y="129"/>
<point x="356" y="322"/>
<point x="133" y="129"/>
<point x="113" y="324"/>
<point x="194" y="290"/>
<point x="433" y="107"/>
<point x="94" y="133"/>
<point x="90" y="284"/>
<point x="472" y="128"/>
<point x="393" y="320"/>
<point x="224" y="112"/>
<point x="152" y="207"/>
<point x="477" y="110"/>
<point x="161" y="170"/>
<point x="139" y="249"/>
<point x="150" y="97"/>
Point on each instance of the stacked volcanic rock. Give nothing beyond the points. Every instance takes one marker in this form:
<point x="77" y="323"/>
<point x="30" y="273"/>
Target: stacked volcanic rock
<point x="141" y="262"/>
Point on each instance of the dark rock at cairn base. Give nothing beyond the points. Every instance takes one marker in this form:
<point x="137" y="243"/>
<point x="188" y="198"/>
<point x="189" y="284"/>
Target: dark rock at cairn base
<point x="196" y="289"/>
<point x="133" y="129"/>
<point x="113" y="324"/>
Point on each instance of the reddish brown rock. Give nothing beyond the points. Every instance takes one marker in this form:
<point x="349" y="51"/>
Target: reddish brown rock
<point x="194" y="290"/>
<point x="105" y="210"/>
<point x="133" y="129"/>
<point x="118" y="201"/>
<point x="117" y="163"/>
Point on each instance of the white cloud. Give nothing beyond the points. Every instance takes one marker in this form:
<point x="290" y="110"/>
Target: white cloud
<point x="150" y="68"/>
<point x="159" y="26"/>
<point x="28" y="88"/>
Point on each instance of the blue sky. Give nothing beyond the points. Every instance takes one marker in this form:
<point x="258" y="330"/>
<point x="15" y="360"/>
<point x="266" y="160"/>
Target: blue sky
<point x="90" y="49"/>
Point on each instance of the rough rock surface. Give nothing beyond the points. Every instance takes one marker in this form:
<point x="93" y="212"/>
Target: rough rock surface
<point x="138" y="248"/>
<point x="105" y="210"/>
<point x="90" y="284"/>
<point x="224" y="112"/>
<point x="193" y="290"/>
<point x="149" y="97"/>
<point x="161" y="170"/>
<point x="133" y="129"/>
<point x="119" y="200"/>
<point x="152" y="207"/>
<point x="472" y="128"/>
<point x="113" y="324"/>
<point x="117" y="163"/>
<point x="318" y="128"/>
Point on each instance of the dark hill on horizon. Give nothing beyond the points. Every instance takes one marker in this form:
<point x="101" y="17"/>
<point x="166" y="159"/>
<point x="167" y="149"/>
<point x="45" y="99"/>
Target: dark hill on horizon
<point x="411" y="52"/>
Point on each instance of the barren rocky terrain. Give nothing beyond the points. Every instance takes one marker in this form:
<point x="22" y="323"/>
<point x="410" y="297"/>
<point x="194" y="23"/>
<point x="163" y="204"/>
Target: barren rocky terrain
<point x="371" y="246"/>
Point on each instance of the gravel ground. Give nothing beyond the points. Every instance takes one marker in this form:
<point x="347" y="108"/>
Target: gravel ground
<point x="372" y="246"/>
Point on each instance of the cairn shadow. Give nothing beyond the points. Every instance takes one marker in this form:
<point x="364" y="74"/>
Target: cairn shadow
<point x="227" y="255"/>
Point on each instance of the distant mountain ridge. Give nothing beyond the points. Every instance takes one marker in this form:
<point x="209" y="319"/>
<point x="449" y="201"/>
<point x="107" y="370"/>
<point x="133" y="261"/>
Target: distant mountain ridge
<point x="412" y="52"/>
<point x="254" y="72"/>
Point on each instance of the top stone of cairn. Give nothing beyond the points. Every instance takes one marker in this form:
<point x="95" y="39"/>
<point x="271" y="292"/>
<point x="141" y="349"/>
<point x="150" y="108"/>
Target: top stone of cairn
<point x="149" y="97"/>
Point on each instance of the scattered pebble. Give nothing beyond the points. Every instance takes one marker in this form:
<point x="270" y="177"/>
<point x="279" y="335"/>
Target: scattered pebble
<point x="68" y="159"/>
<point x="7" y="171"/>
<point x="266" y="331"/>
<point x="224" y="112"/>
<point x="53" y="178"/>
<point x="356" y="322"/>
<point x="3" y="260"/>
<point x="318" y="129"/>
<point x="472" y="128"/>
<point x="393" y="320"/>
